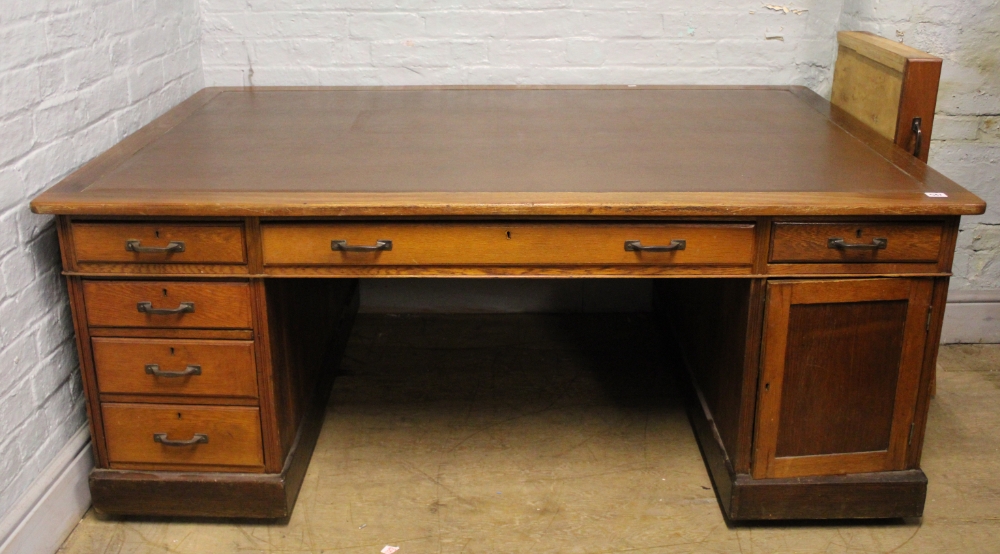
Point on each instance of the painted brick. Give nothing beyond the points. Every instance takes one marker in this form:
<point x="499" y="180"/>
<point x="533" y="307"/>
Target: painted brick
<point x="386" y="25"/>
<point x="427" y="53"/>
<point x="277" y="52"/>
<point x="19" y="88"/>
<point x="465" y="24"/>
<point x="620" y="24"/>
<point x="544" y="24"/>
<point x="9" y="239"/>
<point x="297" y="24"/>
<point x="529" y="53"/>
<point x="13" y="129"/>
<point x="24" y="42"/>
<point x="72" y="31"/>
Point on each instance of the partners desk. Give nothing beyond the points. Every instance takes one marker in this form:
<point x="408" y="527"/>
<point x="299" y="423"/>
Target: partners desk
<point x="801" y="260"/>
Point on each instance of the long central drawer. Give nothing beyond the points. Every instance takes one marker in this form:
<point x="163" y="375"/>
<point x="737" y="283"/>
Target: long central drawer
<point x="386" y="244"/>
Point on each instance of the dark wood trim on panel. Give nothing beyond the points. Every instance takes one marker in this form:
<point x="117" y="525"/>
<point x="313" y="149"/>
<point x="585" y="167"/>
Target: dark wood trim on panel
<point x="506" y="271"/>
<point x="949" y="241"/>
<point x="865" y="269"/>
<point x="273" y="455"/>
<point x="762" y="245"/>
<point x="918" y="99"/>
<point x="255" y="255"/>
<point x="928" y="375"/>
<point x="66" y="249"/>
<point x="889" y="494"/>
<point x="160" y="333"/>
<point x="161" y="493"/>
<point x="88" y="374"/>
<point x="178" y="399"/>
<point x="200" y="271"/>
<point x="743" y="458"/>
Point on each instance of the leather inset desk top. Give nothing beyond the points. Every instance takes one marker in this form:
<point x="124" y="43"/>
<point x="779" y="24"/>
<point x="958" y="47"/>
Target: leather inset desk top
<point x="504" y="151"/>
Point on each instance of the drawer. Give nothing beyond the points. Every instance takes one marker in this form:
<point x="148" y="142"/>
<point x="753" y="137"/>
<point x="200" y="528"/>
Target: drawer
<point x="174" y="304"/>
<point x="506" y="244"/>
<point x="158" y="243"/>
<point x="171" y="435"/>
<point x="856" y="242"/>
<point x="175" y="367"/>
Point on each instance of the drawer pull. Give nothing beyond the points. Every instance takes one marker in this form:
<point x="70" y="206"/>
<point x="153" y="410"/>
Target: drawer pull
<point x="636" y="246"/>
<point x="147" y="308"/>
<point x="154" y="369"/>
<point x="876" y="244"/>
<point x="198" y="438"/>
<point x="344" y="247"/>
<point x="136" y="246"/>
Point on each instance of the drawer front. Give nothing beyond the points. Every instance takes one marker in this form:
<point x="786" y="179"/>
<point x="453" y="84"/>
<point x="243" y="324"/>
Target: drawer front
<point x="183" y="435"/>
<point x="175" y="367"/>
<point x="170" y="304"/>
<point x="156" y="243"/>
<point x="856" y="242"/>
<point x="498" y="244"/>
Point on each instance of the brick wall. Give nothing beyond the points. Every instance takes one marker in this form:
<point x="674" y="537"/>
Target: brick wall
<point x="401" y="42"/>
<point x="75" y="78"/>
<point x="966" y="141"/>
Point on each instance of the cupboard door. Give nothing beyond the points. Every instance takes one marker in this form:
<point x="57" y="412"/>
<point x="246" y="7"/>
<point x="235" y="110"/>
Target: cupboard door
<point x="841" y="367"/>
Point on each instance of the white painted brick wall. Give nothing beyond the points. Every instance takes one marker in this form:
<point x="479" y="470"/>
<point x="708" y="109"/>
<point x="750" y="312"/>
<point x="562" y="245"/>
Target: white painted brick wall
<point x="966" y="141"/>
<point x="400" y="42"/>
<point x="76" y="76"/>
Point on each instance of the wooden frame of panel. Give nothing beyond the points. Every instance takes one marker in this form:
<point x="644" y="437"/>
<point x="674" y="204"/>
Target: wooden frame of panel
<point x="781" y="296"/>
<point x="886" y="85"/>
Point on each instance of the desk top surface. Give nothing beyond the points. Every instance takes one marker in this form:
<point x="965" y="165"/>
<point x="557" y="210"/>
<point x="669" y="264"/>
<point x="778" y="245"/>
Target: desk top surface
<point x="615" y="151"/>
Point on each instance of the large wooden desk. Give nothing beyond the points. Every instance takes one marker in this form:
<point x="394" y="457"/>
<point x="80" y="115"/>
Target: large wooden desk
<point x="802" y="260"/>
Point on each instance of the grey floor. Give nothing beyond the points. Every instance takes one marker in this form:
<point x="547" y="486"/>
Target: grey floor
<point x="544" y="433"/>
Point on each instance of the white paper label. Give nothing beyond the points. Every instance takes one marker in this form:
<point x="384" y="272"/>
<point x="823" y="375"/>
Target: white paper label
<point x="936" y="194"/>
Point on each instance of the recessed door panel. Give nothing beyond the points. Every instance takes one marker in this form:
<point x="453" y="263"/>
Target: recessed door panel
<point x="841" y="367"/>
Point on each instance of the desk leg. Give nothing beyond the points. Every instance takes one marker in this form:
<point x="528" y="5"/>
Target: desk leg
<point x="301" y="327"/>
<point x="719" y="334"/>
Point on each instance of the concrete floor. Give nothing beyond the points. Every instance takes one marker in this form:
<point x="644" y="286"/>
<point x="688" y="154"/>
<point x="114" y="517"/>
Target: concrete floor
<point x="543" y="433"/>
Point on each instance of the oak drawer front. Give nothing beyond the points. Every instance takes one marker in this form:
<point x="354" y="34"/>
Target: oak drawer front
<point x="170" y="304"/>
<point x="499" y="244"/>
<point x="856" y="242"/>
<point x="182" y="435"/>
<point x="175" y="367"/>
<point x="156" y="243"/>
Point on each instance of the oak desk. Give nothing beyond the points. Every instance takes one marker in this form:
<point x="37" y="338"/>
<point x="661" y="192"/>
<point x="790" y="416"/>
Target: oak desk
<point x="802" y="260"/>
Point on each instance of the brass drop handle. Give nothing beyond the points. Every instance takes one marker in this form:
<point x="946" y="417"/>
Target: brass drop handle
<point x="636" y="246"/>
<point x="154" y="369"/>
<point x="918" y="136"/>
<point x="876" y="244"/>
<point x="147" y="308"/>
<point x="136" y="246"/>
<point x="198" y="438"/>
<point x="342" y="246"/>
